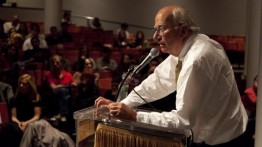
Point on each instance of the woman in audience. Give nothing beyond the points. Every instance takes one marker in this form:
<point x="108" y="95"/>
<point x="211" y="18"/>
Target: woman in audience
<point x="25" y="108"/>
<point x="121" y="40"/>
<point x="81" y="61"/>
<point x="10" y="65"/>
<point x="87" y="85"/>
<point x="140" y="41"/>
<point x="23" y="29"/>
<point x="123" y="66"/>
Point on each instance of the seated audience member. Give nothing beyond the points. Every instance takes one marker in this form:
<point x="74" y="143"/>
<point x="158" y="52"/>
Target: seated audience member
<point x="249" y="99"/>
<point x="66" y="17"/>
<point x="123" y="28"/>
<point x="121" y="40"/>
<point x="140" y="41"/>
<point x="10" y="65"/>
<point x="23" y="29"/>
<point x="81" y="61"/>
<point x="53" y="38"/>
<point x="13" y="24"/>
<point x="25" y="108"/>
<point x="6" y="92"/>
<point x="122" y="67"/>
<point x="35" y="32"/>
<point x="106" y="63"/>
<point x="60" y="82"/>
<point x="18" y="40"/>
<point x="111" y="93"/>
<point x="149" y="68"/>
<point x="60" y="50"/>
<point x="87" y="85"/>
<point x="64" y="34"/>
<point x="3" y="36"/>
<point x="36" y="54"/>
<point x="96" y="25"/>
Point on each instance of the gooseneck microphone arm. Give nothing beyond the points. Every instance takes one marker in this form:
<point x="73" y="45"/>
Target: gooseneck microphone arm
<point x="130" y="70"/>
<point x="153" y="53"/>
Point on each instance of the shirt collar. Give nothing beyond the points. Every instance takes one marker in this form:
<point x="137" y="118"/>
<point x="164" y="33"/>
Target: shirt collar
<point x="187" y="46"/>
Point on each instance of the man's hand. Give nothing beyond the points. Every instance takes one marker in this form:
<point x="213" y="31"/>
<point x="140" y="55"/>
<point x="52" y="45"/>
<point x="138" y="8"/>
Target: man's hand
<point x="121" y="111"/>
<point x="102" y="102"/>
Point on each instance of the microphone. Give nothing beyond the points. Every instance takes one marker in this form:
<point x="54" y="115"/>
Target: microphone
<point x="153" y="53"/>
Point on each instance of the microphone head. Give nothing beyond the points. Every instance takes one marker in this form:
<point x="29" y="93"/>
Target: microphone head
<point x="154" y="52"/>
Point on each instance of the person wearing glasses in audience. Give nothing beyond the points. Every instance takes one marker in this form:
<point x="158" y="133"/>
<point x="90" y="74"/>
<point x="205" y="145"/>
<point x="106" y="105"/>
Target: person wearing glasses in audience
<point x="207" y="100"/>
<point x="87" y="85"/>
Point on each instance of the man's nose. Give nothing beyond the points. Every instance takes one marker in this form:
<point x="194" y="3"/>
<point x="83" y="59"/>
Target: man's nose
<point x="156" y="37"/>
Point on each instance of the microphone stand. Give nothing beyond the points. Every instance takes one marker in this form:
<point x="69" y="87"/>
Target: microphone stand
<point x="129" y="71"/>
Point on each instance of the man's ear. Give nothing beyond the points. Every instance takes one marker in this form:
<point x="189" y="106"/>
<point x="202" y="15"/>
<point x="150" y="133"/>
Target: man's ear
<point x="184" y="30"/>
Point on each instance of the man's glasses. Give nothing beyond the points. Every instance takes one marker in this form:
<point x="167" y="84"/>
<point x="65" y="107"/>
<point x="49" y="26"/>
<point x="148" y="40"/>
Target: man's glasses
<point x="161" y="28"/>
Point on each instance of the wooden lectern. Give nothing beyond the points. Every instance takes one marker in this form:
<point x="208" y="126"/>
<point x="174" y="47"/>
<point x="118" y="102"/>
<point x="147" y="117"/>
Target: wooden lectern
<point x="95" y="128"/>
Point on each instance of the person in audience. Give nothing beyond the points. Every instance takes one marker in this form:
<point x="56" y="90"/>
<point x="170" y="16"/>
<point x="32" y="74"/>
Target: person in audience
<point x="37" y="53"/>
<point x="60" y="50"/>
<point x="25" y="108"/>
<point x="121" y="40"/>
<point x="249" y="99"/>
<point x="111" y="93"/>
<point x="53" y="38"/>
<point x="23" y="29"/>
<point x="6" y="92"/>
<point x="60" y="82"/>
<point x="35" y="32"/>
<point x="11" y="65"/>
<point x="123" y="28"/>
<point x="66" y="17"/>
<point x="122" y="67"/>
<point x="87" y="85"/>
<point x="140" y="41"/>
<point x="106" y="63"/>
<point x="207" y="98"/>
<point x="3" y="36"/>
<point x="149" y="69"/>
<point x="64" y="34"/>
<point x="81" y="61"/>
<point x="96" y="25"/>
<point x="14" y="24"/>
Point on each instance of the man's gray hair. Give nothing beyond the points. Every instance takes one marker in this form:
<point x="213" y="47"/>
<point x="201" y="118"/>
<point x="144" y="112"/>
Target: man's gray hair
<point x="182" y="16"/>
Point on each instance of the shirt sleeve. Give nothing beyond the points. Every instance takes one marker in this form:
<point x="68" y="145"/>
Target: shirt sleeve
<point x="188" y="103"/>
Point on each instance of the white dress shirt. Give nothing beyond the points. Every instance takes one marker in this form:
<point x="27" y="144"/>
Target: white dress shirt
<point x="207" y="100"/>
<point x="27" y="45"/>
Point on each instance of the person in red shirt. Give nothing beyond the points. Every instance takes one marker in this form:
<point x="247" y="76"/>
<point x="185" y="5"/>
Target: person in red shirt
<point x="249" y="98"/>
<point x="60" y="81"/>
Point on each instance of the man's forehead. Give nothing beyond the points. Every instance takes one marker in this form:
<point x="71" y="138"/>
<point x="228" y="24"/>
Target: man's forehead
<point x="160" y="20"/>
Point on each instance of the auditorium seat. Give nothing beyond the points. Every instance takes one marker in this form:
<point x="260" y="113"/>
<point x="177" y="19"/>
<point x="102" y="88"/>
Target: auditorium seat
<point x="95" y="54"/>
<point x="104" y="84"/>
<point x="105" y="74"/>
<point x="117" y="56"/>
<point x="4" y="117"/>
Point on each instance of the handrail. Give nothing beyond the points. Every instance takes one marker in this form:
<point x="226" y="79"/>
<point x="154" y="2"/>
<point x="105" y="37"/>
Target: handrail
<point x="109" y="21"/>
